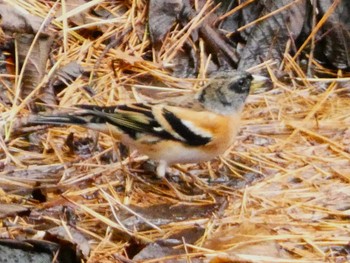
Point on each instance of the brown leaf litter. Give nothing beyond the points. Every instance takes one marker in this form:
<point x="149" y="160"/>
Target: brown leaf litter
<point x="280" y="194"/>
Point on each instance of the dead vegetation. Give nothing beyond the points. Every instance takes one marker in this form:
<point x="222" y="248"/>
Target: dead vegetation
<point x="280" y="194"/>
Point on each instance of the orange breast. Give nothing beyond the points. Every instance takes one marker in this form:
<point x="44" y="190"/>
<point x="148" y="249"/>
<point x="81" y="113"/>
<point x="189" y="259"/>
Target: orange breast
<point x="223" y="128"/>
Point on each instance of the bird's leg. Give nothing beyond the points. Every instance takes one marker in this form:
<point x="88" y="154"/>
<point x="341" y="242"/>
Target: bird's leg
<point x="161" y="170"/>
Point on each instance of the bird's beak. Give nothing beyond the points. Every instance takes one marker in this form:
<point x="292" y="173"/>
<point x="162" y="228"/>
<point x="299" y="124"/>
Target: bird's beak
<point x="257" y="82"/>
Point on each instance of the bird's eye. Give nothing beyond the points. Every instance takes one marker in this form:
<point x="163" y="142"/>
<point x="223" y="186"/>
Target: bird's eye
<point x="240" y="86"/>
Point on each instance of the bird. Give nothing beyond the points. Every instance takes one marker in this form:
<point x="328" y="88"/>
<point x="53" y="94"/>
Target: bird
<point x="192" y="128"/>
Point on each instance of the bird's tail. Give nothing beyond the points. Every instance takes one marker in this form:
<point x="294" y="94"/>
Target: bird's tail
<point x="92" y="117"/>
<point x="81" y="115"/>
<point x="131" y="120"/>
<point x="62" y="118"/>
<point x="56" y="120"/>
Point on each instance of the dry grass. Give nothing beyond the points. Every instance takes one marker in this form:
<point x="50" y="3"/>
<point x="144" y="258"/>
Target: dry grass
<point x="293" y="154"/>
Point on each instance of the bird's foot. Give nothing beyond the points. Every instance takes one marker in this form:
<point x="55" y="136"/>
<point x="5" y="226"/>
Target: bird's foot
<point x="181" y="196"/>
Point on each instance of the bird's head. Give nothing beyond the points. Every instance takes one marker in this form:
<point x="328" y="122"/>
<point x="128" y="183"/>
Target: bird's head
<point x="226" y="91"/>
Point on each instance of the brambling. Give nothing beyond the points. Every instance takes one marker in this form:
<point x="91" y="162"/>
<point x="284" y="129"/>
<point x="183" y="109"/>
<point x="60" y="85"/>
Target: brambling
<point x="194" y="128"/>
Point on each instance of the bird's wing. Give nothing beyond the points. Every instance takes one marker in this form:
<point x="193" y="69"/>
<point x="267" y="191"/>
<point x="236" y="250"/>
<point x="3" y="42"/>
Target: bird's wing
<point x="158" y="121"/>
<point x="134" y="119"/>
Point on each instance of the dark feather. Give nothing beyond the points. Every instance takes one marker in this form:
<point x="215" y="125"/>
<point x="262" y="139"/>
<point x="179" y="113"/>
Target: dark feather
<point x="181" y="129"/>
<point x="132" y="119"/>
